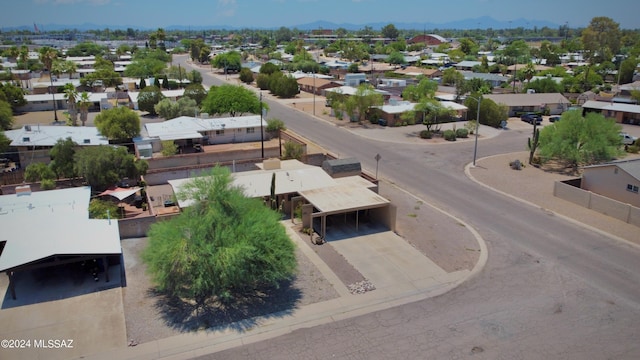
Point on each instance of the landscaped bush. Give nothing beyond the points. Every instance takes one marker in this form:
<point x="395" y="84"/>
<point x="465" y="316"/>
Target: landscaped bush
<point x="450" y="135"/>
<point x="426" y="134"/>
<point x="462" y="133"/>
<point x="633" y="149"/>
<point x="47" y="184"/>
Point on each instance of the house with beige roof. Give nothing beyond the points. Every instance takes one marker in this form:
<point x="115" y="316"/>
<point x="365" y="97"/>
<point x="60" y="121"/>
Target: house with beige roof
<point x="618" y="180"/>
<point x="556" y="103"/>
<point x="323" y="199"/>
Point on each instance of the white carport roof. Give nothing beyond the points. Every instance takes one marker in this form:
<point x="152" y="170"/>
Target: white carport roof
<point x="344" y="197"/>
<point x="56" y="222"/>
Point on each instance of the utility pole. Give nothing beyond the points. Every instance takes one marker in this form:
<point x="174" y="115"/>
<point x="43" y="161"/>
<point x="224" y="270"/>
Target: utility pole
<point x="261" y="127"/>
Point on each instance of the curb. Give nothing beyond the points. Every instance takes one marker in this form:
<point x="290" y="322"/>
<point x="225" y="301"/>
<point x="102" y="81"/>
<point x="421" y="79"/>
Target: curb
<point x="467" y="172"/>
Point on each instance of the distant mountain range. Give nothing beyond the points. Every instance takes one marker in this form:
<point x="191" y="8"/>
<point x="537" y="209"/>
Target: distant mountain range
<point x="484" y="22"/>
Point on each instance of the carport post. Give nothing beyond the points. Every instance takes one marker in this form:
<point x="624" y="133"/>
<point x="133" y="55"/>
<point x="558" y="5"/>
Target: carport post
<point x="12" y="285"/>
<point x="105" y="265"/>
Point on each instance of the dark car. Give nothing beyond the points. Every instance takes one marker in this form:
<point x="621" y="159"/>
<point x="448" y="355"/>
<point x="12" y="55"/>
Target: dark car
<point x="554" y="119"/>
<point x="531" y="117"/>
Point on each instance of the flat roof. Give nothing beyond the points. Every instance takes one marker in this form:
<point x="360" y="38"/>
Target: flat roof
<point x="344" y="196"/>
<point x="188" y="127"/>
<point x="41" y="224"/>
<point x="611" y="106"/>
<point x="327" y="194"/>
<point x="48" y="135"/>
<point x="93" y="97"/>
<point x="293" y="177"/>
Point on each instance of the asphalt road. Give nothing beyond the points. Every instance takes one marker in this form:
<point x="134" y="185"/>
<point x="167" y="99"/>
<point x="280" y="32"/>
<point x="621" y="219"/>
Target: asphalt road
<point x="551" y="289"/>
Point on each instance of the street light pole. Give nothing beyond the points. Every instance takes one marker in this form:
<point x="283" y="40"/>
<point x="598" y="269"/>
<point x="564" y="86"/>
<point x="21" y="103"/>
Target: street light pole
<point x="475" y="147"/>
<point x="261" y="127"/>
<point x="53" y="93"/>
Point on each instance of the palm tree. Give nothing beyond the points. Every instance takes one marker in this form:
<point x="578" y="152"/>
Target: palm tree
<point x="529" y="71"/>
<point x="47" y="56"/>
<point x="83" y="103"/>
<point x="13" y="52"/>
<point x="23" y="56"/>
<point x="71" y="94"/>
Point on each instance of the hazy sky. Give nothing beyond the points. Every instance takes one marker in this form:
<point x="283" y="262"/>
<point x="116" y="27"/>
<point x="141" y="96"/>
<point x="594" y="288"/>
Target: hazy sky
<point x="276" y="13"/>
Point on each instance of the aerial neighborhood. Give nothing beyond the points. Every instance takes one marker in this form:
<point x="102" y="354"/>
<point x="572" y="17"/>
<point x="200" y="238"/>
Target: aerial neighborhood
<point x="173" y="179"/>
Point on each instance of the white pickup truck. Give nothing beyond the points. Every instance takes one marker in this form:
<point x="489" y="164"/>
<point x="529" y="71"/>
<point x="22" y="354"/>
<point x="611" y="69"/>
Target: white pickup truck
<point x="627" y="139"/>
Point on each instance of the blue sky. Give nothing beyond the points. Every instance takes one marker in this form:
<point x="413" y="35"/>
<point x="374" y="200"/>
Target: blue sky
<point x="276" y="13"/>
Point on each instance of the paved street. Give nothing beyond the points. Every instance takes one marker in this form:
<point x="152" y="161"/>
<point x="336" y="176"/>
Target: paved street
<point x="551" y="289"/>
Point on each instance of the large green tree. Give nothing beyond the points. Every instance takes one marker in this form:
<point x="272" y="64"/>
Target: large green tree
<point x="491" y="114"/>
<point x="359" y="104"/>
<point x="231" y="99"/>
<point x="62" y="162"/>
<point x="148" y="98"/>
<point x="169" y="109"/>
<point x="104" y="165"/>
<point x="6" y="116"/>
<point x="223" y="246"/>
<point x="12" y="94"/>
<point x="119" y="123"/>
<point x="228" y="62"/>
<point x="390" y="31"/>
<point x="577" y="140"/>
<point x="601" y="40"/>
<point x="426" y="88"/>
<point x="195" y="92"/>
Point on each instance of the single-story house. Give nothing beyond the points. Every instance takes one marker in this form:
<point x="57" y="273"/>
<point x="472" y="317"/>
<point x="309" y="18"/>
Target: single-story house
<point x="537" y="102"/>
<point x="618" y="180"/>
<point x="625" y="90"/>
<point x="469" y="65"/>
<point x="513" y="68"/>
<point x="350" y="90"/>
<point x="51" y="228"/>
<point x="314" y="85"/>
<point x="417" y="71"/>
<point x="324" y="196"/>
<point x="392" y="112"/>
<point x="33" y="142"/>
<point x="495" y="80"/>
<point x="622" y="113"/>
<point x="44" y="102"/>
<point x="187" y="130"/>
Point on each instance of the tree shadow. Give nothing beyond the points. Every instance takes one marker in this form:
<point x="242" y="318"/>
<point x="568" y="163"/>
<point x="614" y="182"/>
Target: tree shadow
<point x="243" y="313"/>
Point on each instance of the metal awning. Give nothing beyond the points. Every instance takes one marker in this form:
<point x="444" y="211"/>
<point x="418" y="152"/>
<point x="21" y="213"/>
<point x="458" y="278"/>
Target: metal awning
<point x="183" y="136"/>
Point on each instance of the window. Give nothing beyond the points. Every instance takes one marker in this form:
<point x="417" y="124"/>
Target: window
<point x="632" y="188"/>
<point x="219" y="132"/>
<point x="251" y="130"/>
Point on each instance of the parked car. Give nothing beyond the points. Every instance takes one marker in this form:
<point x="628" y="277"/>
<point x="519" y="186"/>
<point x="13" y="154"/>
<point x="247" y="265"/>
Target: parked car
<point x="627" y="139"/>
<point x="554" y="118"/>
<point x="197" y="147"/>
<point x="531" y="117"/>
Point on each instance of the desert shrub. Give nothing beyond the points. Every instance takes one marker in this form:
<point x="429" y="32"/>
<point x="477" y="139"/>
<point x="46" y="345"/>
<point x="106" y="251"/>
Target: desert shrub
<point x="47" y="184"/>
<point x="633" y="149"/>
<point x="462" y="133"/>
<point x="449" y="135"/>
<point x="426" y="134"/>
<point x="470" y="126"/>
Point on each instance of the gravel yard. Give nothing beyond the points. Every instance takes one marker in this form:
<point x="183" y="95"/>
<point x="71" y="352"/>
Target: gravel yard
<point x="150" y="317"/>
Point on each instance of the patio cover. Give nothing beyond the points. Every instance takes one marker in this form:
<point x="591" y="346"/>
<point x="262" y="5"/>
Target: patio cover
<point x="189" y="135"/>
<point x="120" y="193"/>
